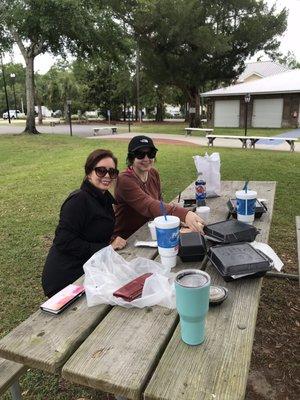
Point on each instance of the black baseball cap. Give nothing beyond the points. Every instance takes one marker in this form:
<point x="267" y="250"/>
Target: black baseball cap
<point x="137" y="142"/>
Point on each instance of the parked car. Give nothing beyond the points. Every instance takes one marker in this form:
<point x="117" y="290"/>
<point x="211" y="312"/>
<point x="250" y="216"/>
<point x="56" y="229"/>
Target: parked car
<point x="14" y="114"/>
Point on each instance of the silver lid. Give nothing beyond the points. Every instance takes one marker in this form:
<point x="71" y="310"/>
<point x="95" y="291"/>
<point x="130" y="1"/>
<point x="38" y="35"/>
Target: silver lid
<point x="192" y="278"/>
<point x="217" y="294"/>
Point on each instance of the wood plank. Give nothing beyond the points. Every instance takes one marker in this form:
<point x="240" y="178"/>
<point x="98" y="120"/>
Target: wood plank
<point x="139" y="336"/>
<point x="45" y="342"/>
<point x="10" y="372"/>
<point x="298" y="241"/>
<point x="218" y="369"/>
<point x="119" y="355"/>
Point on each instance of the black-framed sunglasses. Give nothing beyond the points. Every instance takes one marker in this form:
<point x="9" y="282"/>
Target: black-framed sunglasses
<point x="140" y="154"/>
<point x="102" y="171"/>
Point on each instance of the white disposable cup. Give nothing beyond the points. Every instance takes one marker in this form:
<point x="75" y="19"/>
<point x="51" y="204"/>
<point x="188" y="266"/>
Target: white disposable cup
<point x="167" y="233"/>
<point x="246" y="205"/>
<point x="203" y="212"/>
<point x="152" y="229"/>
<point x="169" y="261"/>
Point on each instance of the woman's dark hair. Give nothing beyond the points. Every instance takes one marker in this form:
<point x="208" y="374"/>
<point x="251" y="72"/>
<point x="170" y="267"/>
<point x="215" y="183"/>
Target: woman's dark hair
<point x="130" y="158"/>
<point x="95" y="157"/>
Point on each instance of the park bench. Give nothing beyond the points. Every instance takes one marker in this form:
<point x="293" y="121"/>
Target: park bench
<point x="56" y="122"/>
<point x="9" y="378"/>
<point x="252" y="139"/>
<point x="97" y="130"/>
<point x="188" y="131"/>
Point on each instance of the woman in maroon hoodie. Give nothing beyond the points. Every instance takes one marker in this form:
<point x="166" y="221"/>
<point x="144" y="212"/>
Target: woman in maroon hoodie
<point x="138" y="192"/>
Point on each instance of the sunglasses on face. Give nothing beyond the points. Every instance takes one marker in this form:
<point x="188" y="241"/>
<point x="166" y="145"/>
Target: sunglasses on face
<point x="139" y="154"/>
<point x="102" y="171"/>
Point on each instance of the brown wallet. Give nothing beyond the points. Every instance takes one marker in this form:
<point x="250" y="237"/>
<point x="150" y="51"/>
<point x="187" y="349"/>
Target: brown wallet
<point x="133" y="289"/>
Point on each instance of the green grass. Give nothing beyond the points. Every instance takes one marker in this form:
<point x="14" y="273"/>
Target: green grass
<point x="177" y="128"/>
<point x="37" y="173"/>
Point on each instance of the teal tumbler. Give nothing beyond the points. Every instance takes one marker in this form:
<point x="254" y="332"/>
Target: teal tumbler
<point x="192" y="302"/>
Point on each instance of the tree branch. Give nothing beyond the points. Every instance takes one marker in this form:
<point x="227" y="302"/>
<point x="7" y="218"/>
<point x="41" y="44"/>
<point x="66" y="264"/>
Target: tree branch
<point x="19" y="42"/>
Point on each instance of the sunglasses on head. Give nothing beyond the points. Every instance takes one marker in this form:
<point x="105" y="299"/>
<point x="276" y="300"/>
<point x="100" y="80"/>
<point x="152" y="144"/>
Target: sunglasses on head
<point x="102" y="171"/>
<point x="140" y="154"/>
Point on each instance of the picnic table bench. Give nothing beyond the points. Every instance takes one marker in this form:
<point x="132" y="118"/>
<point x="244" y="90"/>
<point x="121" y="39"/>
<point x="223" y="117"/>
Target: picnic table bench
<point x="98" y="129"/>
<point x="188" y="131"/>
<point x="9" y="378"/>
<point x="252" y="139"/>
<point x="139" y="352"/>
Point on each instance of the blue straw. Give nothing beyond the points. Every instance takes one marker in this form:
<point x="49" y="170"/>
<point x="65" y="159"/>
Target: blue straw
<point x="246" y="186"/>
<point x="163" y="209"/>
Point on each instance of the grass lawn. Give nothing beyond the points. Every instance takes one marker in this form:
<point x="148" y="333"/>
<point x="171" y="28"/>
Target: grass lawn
<point x="37" y="173"/>
<point x="177" y="128"/>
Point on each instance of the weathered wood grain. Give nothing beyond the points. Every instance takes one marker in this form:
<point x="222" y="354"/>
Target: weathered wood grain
<point x="10" y="372"/>
<point x="119" y="355"/>
<point x="45" y="342"/>
<point x="217" y="369"/>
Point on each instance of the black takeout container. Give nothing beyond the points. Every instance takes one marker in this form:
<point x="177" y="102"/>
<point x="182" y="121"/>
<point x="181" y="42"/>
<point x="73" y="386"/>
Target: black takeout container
<point x="260" y="208"/>
<point x="191" y="246"/>
<point x="239" y="259"/>
<point x="231" y="231"/>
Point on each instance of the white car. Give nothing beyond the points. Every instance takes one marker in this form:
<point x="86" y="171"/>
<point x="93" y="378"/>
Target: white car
<point x="14" y="114"/>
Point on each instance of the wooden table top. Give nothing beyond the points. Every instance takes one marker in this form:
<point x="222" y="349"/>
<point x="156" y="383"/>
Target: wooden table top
<point x="130" y="352"/>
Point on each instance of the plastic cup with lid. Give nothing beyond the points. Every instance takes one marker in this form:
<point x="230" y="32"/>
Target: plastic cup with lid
<point x="203" y="212"/>
<point x="167" y="233"/>
<point x="245" y="204"/>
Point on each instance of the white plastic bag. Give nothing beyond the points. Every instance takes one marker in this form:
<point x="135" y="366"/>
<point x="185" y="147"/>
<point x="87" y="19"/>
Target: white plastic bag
<point x="209" y="166"/>
<point x="106" y="271"/>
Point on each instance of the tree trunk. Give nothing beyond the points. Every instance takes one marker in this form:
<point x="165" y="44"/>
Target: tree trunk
<point x="160" y="112"/>
<point x="30" y="119"/>
<point x="194" y="116"/>
<point x="40" y="115"/>
<point x="160" y="106"/>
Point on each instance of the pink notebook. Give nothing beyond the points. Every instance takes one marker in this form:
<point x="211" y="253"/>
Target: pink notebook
<point x="61" y="300"/>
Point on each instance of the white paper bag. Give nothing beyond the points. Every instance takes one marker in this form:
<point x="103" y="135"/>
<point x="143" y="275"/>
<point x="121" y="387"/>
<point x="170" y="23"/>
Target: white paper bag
<point x="209" y="166"/>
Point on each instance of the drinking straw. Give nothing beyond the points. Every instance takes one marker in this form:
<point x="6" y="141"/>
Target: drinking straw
<point x="163" y="209"/>
<point x="179" y="195"/>
<point x="246" y="186"/>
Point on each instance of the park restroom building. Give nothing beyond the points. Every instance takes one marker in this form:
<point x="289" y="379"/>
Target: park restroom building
<point x="274" y="102"/>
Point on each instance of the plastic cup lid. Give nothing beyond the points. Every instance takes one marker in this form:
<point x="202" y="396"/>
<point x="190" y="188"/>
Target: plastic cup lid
<point x="217" y="294"/>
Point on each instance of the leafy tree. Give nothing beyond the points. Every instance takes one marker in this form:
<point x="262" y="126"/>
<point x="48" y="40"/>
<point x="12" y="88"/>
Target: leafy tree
<point x="289" y="59"/>
<point x="77" y="26"/>
<point x="187" y="43"/>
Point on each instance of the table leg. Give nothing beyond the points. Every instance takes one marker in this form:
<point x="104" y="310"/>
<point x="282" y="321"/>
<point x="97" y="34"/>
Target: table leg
<point x="244" y="143"/>
<point x="210" y="142"/>
<point x="15" y="391"/>
<point x="252" y="143"/>
<point x="292" y="144"/>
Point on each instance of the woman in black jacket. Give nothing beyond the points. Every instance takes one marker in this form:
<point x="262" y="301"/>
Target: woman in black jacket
<point x="86" y="224"/>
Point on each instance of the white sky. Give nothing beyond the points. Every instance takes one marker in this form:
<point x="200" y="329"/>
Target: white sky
<point x="289" y="41"/>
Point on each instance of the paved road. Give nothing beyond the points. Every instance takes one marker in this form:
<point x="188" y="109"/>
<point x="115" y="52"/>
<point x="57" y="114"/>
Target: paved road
<point x="87" y="131"/>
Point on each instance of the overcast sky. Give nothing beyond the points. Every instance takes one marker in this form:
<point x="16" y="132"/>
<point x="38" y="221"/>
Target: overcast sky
<point x="289" y="41"/>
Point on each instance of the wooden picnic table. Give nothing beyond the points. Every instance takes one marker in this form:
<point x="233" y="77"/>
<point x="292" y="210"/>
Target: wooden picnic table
<point x="138" y="352"/>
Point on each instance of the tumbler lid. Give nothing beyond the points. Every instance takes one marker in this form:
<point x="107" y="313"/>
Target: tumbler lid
<point x="192" y="278"/>
<point x="217" y="294"/>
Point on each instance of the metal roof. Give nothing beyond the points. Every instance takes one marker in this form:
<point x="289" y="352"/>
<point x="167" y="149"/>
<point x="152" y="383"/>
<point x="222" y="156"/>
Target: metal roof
<point x="262" y="69"/>
<point x="285" y="82"/>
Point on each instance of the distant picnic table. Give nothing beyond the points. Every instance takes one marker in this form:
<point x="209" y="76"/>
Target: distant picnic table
<point x="253" y="140"/>
<point x="139" y="352"/>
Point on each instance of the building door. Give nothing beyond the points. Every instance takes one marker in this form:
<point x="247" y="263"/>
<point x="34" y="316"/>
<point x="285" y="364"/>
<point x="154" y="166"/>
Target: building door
<point x="267" y="113"/>
<point x="227" y="113"/>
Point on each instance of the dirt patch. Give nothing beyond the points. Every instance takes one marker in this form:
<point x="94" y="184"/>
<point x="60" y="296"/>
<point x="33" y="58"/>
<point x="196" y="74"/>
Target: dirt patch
<point x="274" y="371"/>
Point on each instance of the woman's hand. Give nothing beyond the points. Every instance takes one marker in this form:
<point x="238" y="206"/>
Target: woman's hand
<point x="194" y="222"/>
<point x="118" y="243"/>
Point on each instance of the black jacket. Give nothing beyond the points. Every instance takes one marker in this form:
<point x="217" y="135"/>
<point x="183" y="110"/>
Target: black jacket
<point x="85" y="226"/>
